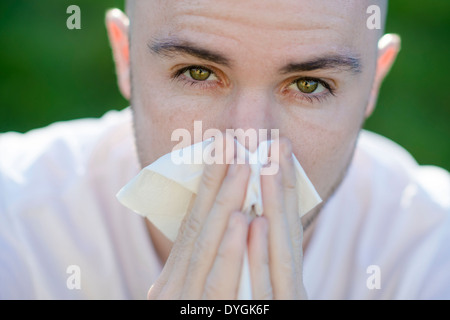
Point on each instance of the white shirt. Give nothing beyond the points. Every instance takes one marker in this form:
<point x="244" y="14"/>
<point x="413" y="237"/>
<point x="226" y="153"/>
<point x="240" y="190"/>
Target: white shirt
<point x="63" y="235"/>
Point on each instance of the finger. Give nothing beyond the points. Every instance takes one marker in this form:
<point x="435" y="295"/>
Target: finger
<point x="229" y="199"/>
<point x="223" y="280"/>
<point x="290" y="199"/>
<point x="212" y="178"/>
<point x="281" y="261"/>
<point x="258" y="257"/>
<point x="191" y="226"/>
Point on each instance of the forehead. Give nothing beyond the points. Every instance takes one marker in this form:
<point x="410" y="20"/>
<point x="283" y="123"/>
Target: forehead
<point x="260" y="25"/>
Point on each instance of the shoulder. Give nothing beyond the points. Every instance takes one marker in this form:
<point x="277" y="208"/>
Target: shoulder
<point x="44" y="161"/>
<point x="406" y="224"/>
<point x="58" y="208"/>
<point x="393" y="171"/>
<point x="388" y="212"/>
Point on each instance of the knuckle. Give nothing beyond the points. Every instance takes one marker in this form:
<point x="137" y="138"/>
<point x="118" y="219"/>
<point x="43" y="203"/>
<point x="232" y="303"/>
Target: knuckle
<point x="286" y="262"/>
<point x="209" y="179"/>
<point x="201" y="248"/>
<point x="193" y="226"/>
<point x="226" y="250"/>
<point x="213" y="290"/>
<point x="221" y="201"/>
<point x="290" y="186"/>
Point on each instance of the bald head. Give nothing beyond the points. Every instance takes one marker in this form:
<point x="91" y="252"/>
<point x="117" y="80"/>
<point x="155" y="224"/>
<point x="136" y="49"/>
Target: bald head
<point x="130" y="6"/>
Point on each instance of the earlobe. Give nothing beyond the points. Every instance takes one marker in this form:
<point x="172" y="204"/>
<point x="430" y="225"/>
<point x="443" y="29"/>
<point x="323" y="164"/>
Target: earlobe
<point x="117" y="24"/>
<point x="388" y="48"/>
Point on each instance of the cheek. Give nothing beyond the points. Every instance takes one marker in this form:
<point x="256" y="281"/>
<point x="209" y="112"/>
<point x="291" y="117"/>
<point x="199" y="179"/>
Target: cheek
<point x="324" y="147"/>
<point x="157" y="116"/>
<point x="326" y="156"/>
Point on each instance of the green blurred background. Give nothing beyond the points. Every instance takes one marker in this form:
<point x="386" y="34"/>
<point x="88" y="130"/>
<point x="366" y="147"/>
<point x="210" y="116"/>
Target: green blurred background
<point x="49" y="73"/>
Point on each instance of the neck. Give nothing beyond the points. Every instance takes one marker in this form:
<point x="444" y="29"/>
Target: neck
<point x="309" y="222"/>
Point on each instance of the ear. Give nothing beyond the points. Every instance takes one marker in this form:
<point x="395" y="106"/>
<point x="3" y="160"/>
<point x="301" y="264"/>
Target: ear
<point x="117" y="24"/>
<point x="388" y="48"/>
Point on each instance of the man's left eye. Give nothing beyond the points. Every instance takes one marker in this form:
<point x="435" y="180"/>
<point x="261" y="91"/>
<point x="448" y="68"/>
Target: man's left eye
<point x="308" y="86"/>
<point x="200" y="74"/>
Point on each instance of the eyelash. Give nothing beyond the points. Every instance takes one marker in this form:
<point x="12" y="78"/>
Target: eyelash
<point x="179" y="76"/>
<point x="297" y="95"/>
<point x="311" y="98"/>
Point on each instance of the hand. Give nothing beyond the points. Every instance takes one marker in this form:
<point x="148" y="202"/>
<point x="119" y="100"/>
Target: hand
<point x="275" y="239"/>
<point x="206" y="259"/>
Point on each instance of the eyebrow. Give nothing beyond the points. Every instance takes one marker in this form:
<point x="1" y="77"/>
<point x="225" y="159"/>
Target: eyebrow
<point x="172" y="47"/>
<point x="337" y="61"/>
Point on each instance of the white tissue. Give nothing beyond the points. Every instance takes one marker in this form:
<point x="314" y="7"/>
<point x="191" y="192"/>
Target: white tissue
<point x="163" y="191"/>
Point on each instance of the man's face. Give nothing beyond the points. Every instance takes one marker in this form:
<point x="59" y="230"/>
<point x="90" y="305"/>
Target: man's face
<point x="305" y="68"/>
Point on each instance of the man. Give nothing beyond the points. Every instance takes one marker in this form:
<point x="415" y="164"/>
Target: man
<point x="310" y="70"/>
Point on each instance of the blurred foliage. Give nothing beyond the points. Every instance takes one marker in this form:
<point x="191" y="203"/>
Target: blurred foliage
<point x="49" y="73"/>
<point x="413" y="108"/>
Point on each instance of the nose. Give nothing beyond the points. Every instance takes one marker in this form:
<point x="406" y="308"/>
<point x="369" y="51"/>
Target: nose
<point x="251" y="114"/>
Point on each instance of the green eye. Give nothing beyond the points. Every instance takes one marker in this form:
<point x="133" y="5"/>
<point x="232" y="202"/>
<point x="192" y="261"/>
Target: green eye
<point x="199" y="74"/>
<point x="307" y="85"/>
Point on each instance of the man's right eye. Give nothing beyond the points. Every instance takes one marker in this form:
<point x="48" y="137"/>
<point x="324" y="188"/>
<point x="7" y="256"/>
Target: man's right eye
<point x="198" y="73"/>
<point x="197" y="77"/>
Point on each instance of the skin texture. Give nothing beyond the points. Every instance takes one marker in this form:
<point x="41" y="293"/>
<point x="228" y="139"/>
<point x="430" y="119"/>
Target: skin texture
<point x="252" y="87"/>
